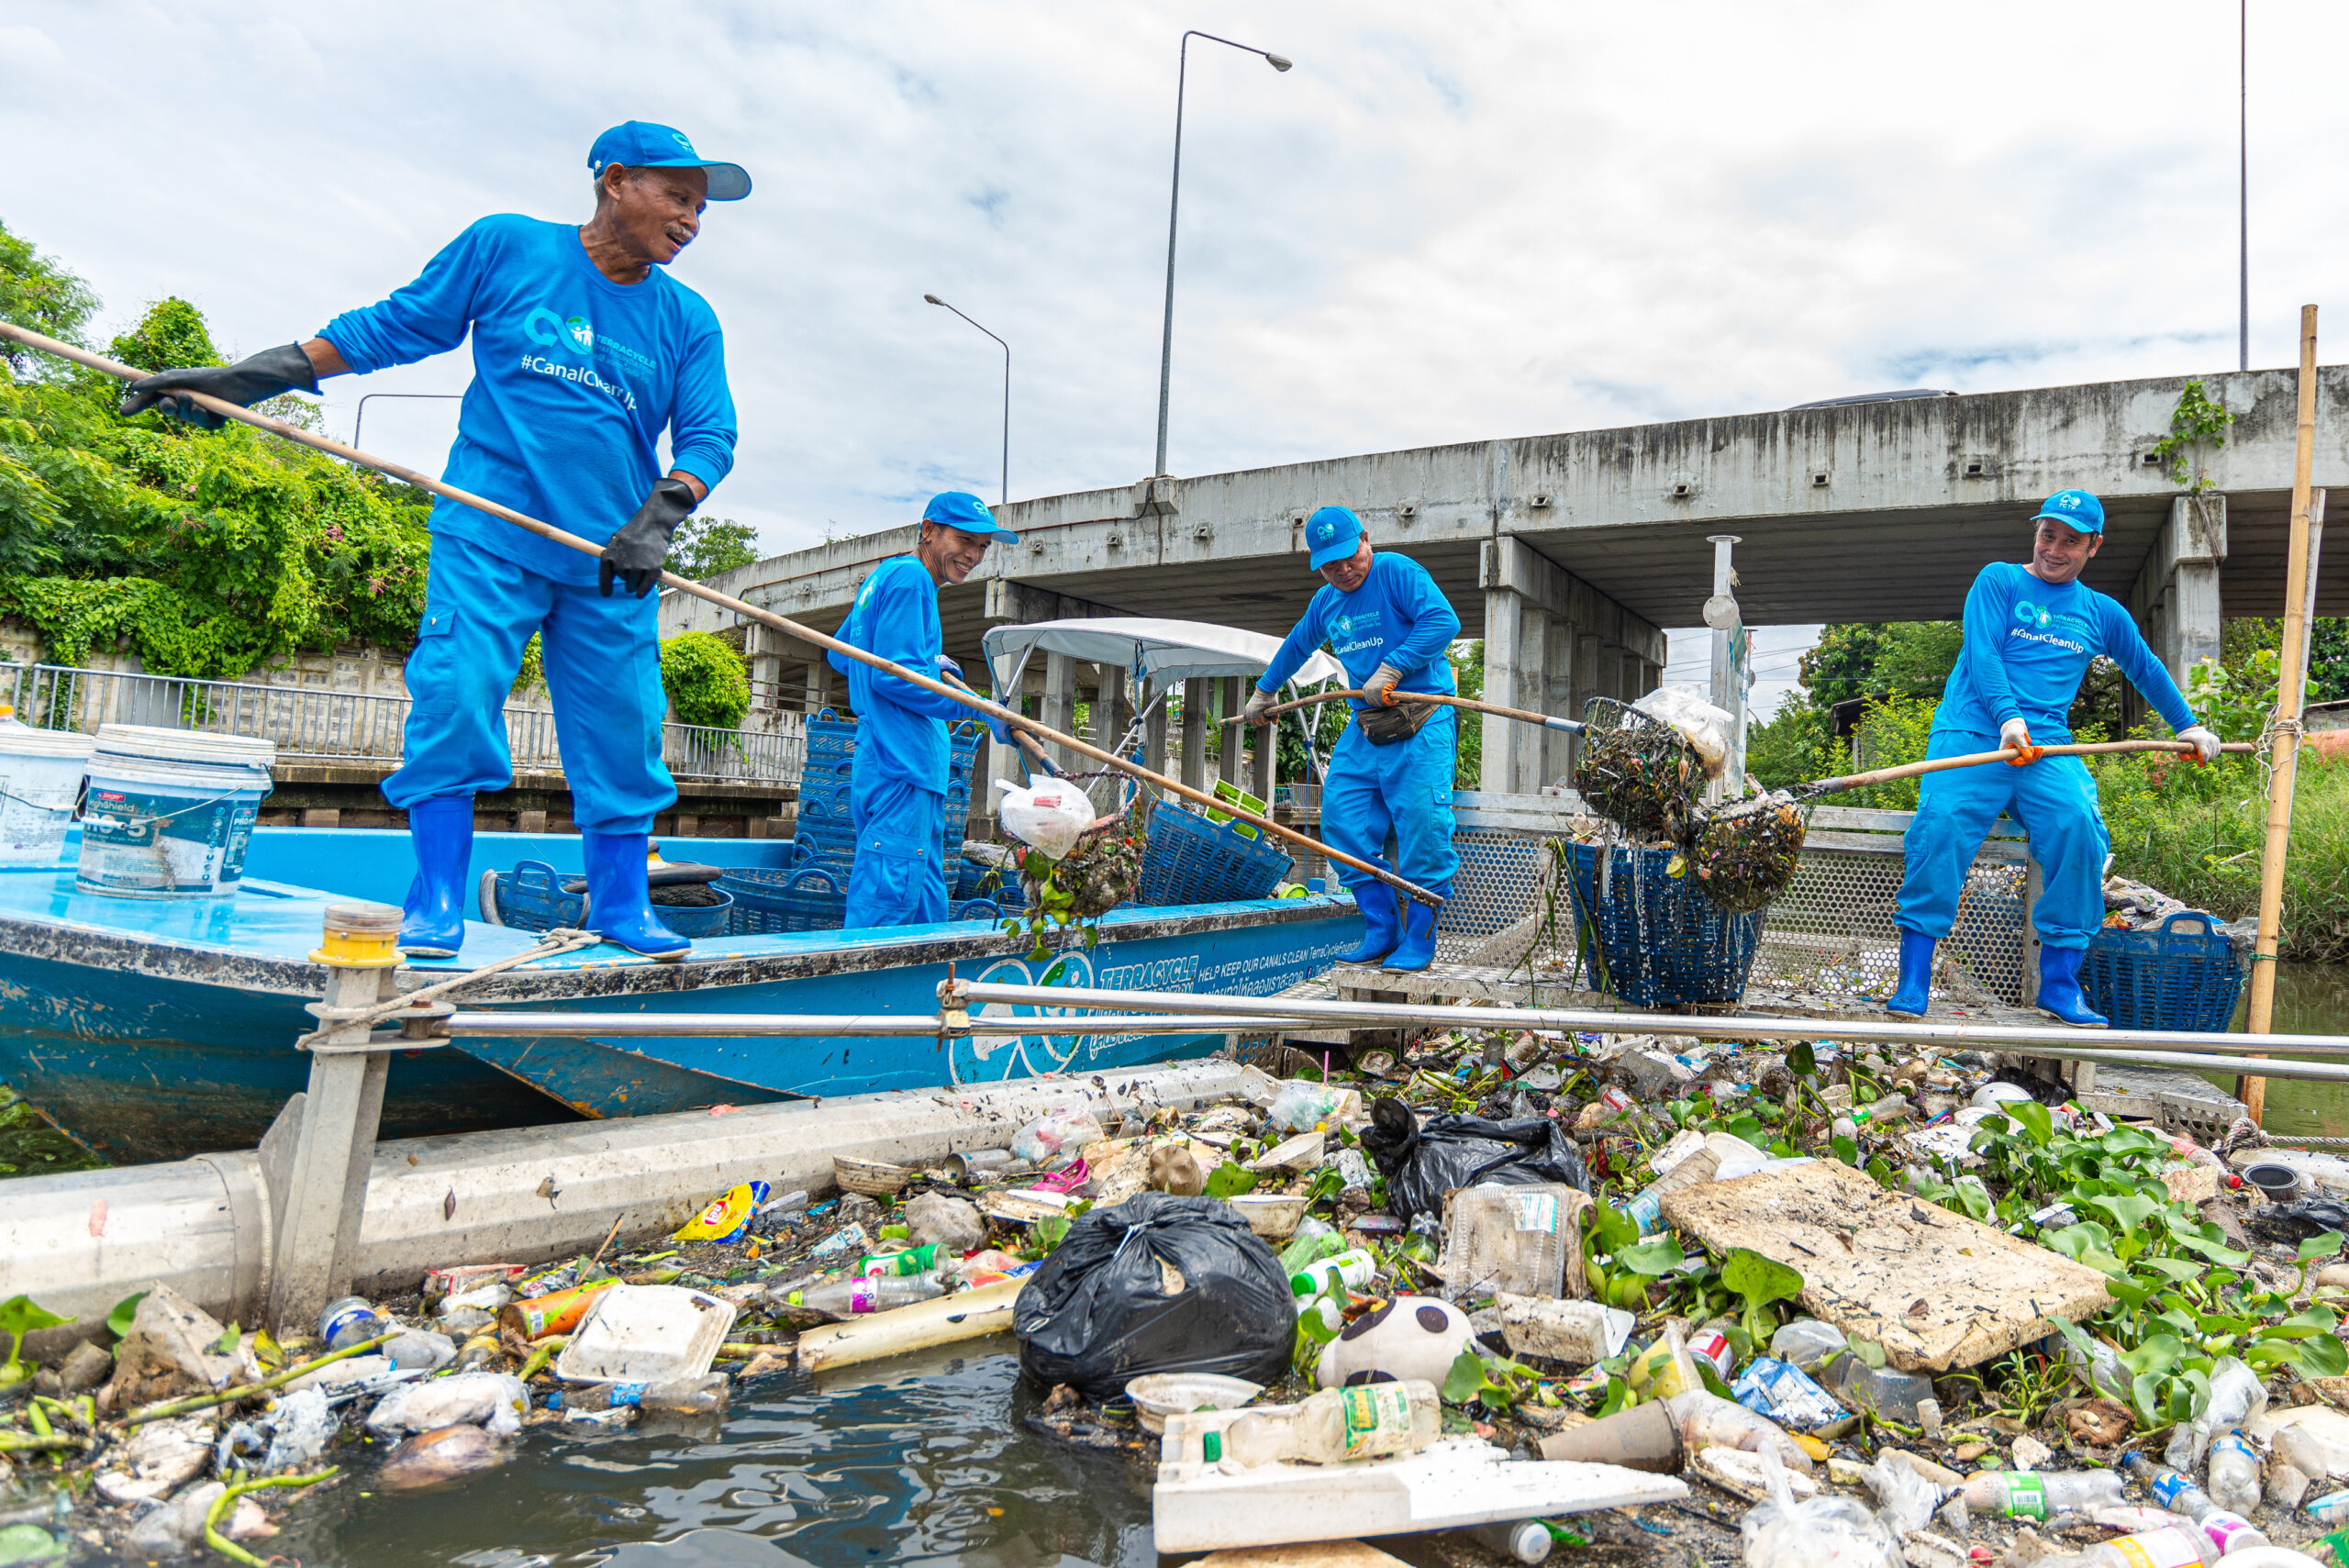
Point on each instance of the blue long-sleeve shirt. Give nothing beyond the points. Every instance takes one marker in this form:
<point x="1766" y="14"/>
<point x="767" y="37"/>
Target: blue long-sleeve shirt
<point x="2027" y="645"/>
<point x="901" y="728"/>
<point x="575" y="377"/>
<point x="1399" y="616"/>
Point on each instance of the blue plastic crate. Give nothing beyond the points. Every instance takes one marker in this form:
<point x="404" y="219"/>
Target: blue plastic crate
<point x="1664" y="941"/>
<point x="2185" y="973"/>
<point x="1190" y="860"/>
<point x="530" y="898"/>
<point x="792" y="898"/>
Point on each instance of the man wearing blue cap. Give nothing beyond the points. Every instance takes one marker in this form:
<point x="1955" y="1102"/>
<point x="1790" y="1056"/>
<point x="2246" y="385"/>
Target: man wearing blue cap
<point x="1388" y="624"/>
<point x="585" y="352"/>
<point x="2029" y="633"/>
<point x="898" y="781"/>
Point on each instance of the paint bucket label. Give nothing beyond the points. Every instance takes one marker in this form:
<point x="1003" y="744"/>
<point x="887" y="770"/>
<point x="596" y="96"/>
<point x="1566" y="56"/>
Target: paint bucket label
<point x="156" y="830"/>
<point x="2168" y="1547"/>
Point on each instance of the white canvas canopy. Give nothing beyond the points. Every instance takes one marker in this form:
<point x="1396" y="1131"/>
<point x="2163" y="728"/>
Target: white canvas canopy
<point x="1167" y="651"/>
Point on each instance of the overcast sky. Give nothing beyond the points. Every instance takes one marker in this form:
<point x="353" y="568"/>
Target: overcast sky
<point x="1447" y="223"/>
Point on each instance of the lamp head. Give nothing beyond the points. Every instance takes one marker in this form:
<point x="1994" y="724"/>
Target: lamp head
<point x="933" y="299"/>
<point x="1279" y="61"/>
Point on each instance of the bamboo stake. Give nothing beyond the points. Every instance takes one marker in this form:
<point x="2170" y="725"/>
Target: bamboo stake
<point x="2285" y="727"/>
<point x="669" y="578"/>
<point x="222" y="1397"/>
<point x="1545" y="720"/>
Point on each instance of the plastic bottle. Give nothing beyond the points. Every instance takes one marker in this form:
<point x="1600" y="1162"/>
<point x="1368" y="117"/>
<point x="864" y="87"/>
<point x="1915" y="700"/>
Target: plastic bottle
<point x="1350" y="1270"/>
<point x="1334" y="1425"/>
<point x="1881" y="1389"/>
<point x="2171" y="1489"/>
<point x="850" y="1297"/>
<point x="2172" y="1546"/>
<point x="1525" y="1540"/>
<point x="912" y="1261"/>
<point x="2236" y="1395"/>
<point x="350" y="1321"/>
<point x="1313" y="1242"/>
<point x="2233" y="1479"/>
<point x="2301" y="1463"/>
<point x="2228" y="1533"/>
<point x="705" y="1395"/>
<point x="9" y="719"/>
<point x="2333" y="1509"/>
<point x="1806" y="1341"/>
<point x="1706" y="1420"/>
<point x="2028" y="1495"/>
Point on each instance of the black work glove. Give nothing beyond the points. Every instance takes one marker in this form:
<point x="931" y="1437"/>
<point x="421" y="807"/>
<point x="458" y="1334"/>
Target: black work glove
<point x="638" y="551"/>
<point x="246" y="383"/>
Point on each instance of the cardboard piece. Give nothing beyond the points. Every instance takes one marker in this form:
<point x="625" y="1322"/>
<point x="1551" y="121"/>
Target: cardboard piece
<point x="1306" y="1554"/>
<point x="1936" y="1289"/>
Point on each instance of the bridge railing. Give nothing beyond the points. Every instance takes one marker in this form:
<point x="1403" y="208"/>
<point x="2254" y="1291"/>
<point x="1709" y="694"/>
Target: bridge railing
<point x="309" y="723"/>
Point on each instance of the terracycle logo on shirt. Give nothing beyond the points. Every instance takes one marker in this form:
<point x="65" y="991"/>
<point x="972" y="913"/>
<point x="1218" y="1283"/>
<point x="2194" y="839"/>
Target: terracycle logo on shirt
<point x="543" y="325"/>
<point x="2029" y="614"/>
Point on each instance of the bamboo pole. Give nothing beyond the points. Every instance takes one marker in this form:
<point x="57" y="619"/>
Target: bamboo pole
<point x="966" y="1315"/>
<point x="278" y="427"/>
<point x="1546" y="721"/>
<point x="1976" y="758"/>
<point x="2283" y="766"/>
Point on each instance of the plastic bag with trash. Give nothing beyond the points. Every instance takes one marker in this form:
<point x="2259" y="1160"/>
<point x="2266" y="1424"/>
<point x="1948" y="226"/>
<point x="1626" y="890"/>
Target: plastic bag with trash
<point x="1703" y="726"/>
<point x="1424" y="1160"/>
<point x="1050" y="817"/>
<point x="1783" y="1533"/>
<point x="492" y="1400"/>
<point x="1157" y="1283"/>
<point x="1064" y="1129"/>
<point x="1301" y="1105"/>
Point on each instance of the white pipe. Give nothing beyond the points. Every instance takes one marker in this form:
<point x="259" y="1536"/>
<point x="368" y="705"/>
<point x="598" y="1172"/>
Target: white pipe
<point x="728" y="1026"/>
<point x="202" y="1226"/>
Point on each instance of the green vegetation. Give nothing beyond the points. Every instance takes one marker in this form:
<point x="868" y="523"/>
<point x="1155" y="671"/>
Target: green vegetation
<point x="706" y="679"/>
<point x="702" y="548"/>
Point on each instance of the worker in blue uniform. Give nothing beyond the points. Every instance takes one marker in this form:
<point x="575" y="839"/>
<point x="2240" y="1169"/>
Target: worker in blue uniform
<point x="2031" y="631"/>
<point x="897" y="783"/>
<point x="1388" y="625"/>
<point x="584" y="351"/>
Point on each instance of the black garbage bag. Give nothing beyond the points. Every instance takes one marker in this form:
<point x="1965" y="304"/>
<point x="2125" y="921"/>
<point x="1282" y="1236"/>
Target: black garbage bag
<point x="1155" y="1283"/>
<point x="2297" y="1221"/>
<point x="1424" y="1160"/>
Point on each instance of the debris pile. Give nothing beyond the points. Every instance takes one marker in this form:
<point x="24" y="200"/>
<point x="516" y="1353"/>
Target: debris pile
<point x="1895" y="1308"/>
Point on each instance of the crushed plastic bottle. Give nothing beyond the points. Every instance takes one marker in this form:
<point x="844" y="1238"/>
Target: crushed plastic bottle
<point x="1841" y="1532"/>
<point x="1301" y="1105"/>
<point x="879" y="1292"/>
<point x="2233" y="1479"/>
<point x="1888" y="1392"/>
<point x="1064" y="1129"/>
<point x="2063" y="1496"/>
<point x="2171" y="1490"/>
<point x="2236" y="1395"/>
<point x="705" y="1395"/>
<point x="1806" y="1341"/>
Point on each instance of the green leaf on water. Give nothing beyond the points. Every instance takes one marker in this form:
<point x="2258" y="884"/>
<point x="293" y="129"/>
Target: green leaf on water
<point x="1802" y="1062"/>
<point x="2326" y="1245"/>
<point x="2073" y="1241"/>
<point x="2226" y="1257"/>
<point x="1847" y="1149"/>
<point x="1466" y="1378"/>
<point x="2036" y="1123"/>
<point x="1611" y="1227"/>
<point x="1656" y="1256"/>
<point x="2130" y="1212"/>
<point x="1229" y="1180"/>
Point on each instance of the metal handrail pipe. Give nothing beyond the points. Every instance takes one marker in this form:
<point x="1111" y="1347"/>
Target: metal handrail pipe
<point x="2037" y="1040"/>
<point x="828" y="1026"/>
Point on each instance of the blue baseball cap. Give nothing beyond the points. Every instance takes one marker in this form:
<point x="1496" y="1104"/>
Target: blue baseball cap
<point x="640" y="144"/>
<point x="961" y="509"/>
<point x="2074" y="509"/>
<point x="1333" y="533"/>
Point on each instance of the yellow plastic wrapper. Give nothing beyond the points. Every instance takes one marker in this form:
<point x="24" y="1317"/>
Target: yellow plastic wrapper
<point x="727" y="1218"/>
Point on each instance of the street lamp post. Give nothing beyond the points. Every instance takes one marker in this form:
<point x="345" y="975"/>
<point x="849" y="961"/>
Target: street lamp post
<point x="2243" y="177"/>
<point x="359" y="419"/>
<point x="1007" y="396"/>
<point x="1173" y="205"/>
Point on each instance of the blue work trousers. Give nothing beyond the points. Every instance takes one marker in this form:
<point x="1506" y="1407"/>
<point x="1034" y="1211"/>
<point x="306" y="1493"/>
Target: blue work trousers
<point x="899" y="879"/>
<point x="2055" y="801"/>
<point x="602" y="667"/>
<point x="1406" y="787"/>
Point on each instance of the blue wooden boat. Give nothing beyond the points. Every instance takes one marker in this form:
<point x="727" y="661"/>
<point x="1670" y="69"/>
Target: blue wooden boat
<point x="153" y="1029"/>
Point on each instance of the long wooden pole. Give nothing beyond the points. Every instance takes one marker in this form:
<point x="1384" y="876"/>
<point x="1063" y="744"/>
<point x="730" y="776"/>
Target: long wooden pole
<point x="1547" y="721"/>
<point x="2284" y="763"/>
<point x="32" y="340"/>
<point x="1976" y="758"/>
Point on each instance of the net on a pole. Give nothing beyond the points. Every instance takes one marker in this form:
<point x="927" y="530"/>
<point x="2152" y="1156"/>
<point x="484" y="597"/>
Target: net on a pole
<point x="1639" y="773"/>
<point x="1744" y="855"/>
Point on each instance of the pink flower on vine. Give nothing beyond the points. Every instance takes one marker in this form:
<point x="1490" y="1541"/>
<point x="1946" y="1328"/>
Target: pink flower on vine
<point x="334" y="530"/>
<point x="375" y="584"/>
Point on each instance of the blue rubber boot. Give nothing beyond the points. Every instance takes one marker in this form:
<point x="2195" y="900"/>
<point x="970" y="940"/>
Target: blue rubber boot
<point x="432" y="921"/>
<point x="1914" y="994"/>
<point x="2059" y="988"/>
<point x="620" y="906"/>
<point x="1382" y="925"/>
<point x="1417" y="950"/>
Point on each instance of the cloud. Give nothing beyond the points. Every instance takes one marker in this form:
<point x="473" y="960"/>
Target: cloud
<point x="1445" y="224"/>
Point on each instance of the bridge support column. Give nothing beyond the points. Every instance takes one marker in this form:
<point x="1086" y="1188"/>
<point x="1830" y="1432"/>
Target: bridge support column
<point x="1552" y="642"/>
<point x="1060" y="703"/>
<point x="1195" y="734"/>
<point x="2176" y="600"/>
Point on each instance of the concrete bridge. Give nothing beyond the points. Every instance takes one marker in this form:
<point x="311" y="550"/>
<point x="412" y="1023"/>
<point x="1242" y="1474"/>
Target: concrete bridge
<point x="1567" y="553"/>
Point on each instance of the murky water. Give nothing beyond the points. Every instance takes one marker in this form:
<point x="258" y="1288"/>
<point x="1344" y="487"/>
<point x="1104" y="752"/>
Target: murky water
<point x="2311" y="998"/>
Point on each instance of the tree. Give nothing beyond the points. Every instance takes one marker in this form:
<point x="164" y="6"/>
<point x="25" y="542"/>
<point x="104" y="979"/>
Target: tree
<point x="705" y="547"/>
<point x="171" y="336"/>
<point x="706" y="679"/>
<point x="36" y="292"/>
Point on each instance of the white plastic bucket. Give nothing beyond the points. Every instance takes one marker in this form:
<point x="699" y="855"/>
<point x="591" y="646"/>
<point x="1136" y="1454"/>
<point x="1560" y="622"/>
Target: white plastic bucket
<point x="41" y="780"/>
<point x="169" y="812"/>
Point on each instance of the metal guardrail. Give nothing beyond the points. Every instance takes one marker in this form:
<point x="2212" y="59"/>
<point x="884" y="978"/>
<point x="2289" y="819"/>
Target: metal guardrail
<point x="353" y="727"/>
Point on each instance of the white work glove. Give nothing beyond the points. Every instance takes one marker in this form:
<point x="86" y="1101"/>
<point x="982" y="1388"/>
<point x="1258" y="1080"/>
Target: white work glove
<point x="1259" y="702"/>
<point x="2206" y="745"/>
<point x="2014" y="733"/>
<point x="1381" y="684"/>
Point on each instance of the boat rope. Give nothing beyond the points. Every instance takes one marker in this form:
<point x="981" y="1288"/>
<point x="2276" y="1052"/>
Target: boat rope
<point x="561" y="939"/>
